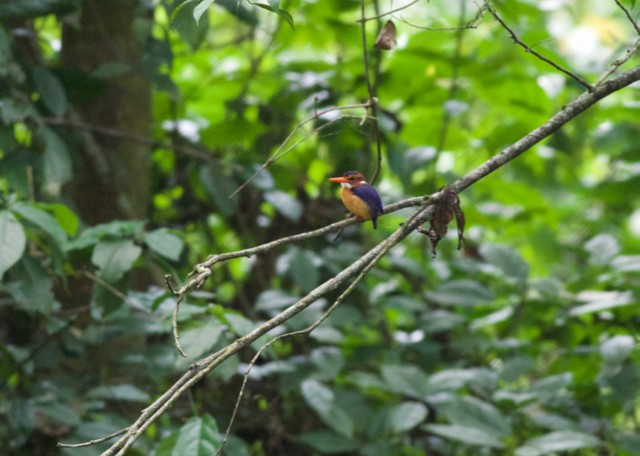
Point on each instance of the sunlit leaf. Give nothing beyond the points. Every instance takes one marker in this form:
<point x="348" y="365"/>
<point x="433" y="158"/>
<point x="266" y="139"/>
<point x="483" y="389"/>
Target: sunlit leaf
<point x="465" y="434"/>
<point x="164" y="243"/>
<point x="555" y="442"/>
<point x="42" y="219"/>
<point x="115" y="258"/>
<point x="506" y="259"/>
<point x="198" y="436"/>
<point x="121" y="392"/>
<point x="461" y="292"/>
<point x="12" y="241"/>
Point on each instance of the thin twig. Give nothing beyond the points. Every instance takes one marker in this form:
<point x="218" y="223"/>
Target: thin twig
<point x="516" y="40"/>
<point x="472" y="24"/>
<point x="628" y="14"/>
<point x="92" y="442"/>
<point x="379" y="16"/>
<point x="281" y="151"/>
<point x="370" y="90"/>
<point x="113" y="290"/>
<point x="613" y="66"/>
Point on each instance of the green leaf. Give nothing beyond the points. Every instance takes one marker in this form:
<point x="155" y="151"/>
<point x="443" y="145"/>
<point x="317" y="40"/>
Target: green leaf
<point x="219" y="186"/>
<point x="329" y="442"/>
<point x="399" y="418"/>
<point x="597" y="301"/>
<point x="406" y="379"/>
<point x="116" y="229"/>
<point x="555" y="442"/>
<point x="66" y="218"/>
<point x="198" y="436"/>
<point x="192" y="34"/>
<point x="12" y="241"/>
<point x="506" y="259"/>
<point x="302" y="266"/>
<point x="626" y="263"/>
<point x="328" y="361"/>
<point x="287" y="205"/>
<point x="322" y="400"/>
<point x="463" y="292"/>
<point x="602" y="248"/>
<point x="121" y="392"/>
<point x="56" y="162"/>
<point x="59" y="413"/>
<point x="115" y="258"/>
<point x="617" y="348"/>
<point x="287" y="18"/>
<point x="35" y="286"/>
<point x="201" y="338"/>
<point x="201" y="8"/>
<point x="274" y="300"/>
<point x="164" y="243"/>
<point x="42" y="219"/>
<point x="470" y="412"/>
<point x="469" y="435"/>
<point x="51" y="90"/>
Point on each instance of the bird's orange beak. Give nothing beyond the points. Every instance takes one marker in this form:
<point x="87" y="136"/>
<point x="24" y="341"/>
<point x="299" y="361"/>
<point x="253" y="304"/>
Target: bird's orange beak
<point x="338" y="179"/>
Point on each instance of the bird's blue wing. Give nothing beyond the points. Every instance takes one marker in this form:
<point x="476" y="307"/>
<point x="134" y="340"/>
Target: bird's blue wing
<point x="370" y="196"/>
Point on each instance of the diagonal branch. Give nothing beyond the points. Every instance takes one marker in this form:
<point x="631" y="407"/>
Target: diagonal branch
<point x="628" y="14"/>
<point x="516" y="40"/>
<point x="202" y="367"/>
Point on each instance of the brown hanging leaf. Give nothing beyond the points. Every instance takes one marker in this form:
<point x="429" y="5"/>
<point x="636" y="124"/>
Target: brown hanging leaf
<point x="445" y="210"/>
<point x="387" y="37"/>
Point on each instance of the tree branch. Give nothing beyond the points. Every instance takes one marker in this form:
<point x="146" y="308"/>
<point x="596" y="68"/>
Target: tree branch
<point x="202" y="367"/>
<point x="379" y="16"/>
<point x="631" y="19"/>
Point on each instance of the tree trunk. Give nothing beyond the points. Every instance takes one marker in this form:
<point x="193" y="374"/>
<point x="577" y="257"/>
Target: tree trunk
<point x="111" y="178"/>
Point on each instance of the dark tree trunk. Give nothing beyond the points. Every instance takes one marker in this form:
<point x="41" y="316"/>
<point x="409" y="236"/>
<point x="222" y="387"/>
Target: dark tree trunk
<point x="111" y="179"/>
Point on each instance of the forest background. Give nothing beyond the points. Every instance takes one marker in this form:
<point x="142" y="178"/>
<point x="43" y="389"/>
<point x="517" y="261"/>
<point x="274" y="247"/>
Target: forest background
<point x="127" y="126"/>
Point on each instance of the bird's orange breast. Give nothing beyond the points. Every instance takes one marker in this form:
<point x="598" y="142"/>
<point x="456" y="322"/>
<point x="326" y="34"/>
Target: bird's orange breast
<point x="355" y="205"/>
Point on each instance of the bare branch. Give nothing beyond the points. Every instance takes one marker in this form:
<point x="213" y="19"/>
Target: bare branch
<point x="202" y="367"/>
<point x="379" y="16"/>
<point x="631" y="19"/>
<point x="92" y="442"/>
<point x="575" y="77"/>
<point x="568" y="112"/>
<point x="306" y="330"/>
<point x="473" y="23"/>
<point x="613" y="67"/>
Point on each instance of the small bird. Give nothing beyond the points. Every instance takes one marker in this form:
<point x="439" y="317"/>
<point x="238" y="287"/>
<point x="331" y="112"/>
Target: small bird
<point x="360" y="198"/>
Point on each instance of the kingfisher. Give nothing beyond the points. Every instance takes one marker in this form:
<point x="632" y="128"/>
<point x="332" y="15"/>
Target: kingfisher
<point x="360" y="198"/>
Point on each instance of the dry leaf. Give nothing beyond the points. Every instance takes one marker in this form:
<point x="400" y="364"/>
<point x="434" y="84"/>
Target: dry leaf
<point x="445" y="210"/>
<point x="387" y="37"/>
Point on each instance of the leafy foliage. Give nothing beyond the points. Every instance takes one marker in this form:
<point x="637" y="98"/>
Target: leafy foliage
<point x="524" y="343"/>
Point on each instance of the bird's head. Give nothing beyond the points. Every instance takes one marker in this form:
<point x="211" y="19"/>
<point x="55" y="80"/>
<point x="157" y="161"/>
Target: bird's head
<point x="350" y="179"/>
